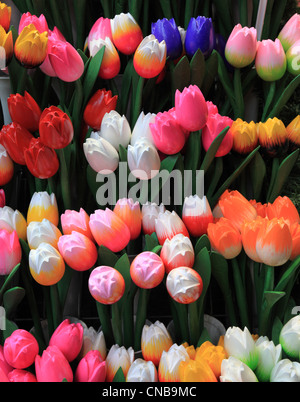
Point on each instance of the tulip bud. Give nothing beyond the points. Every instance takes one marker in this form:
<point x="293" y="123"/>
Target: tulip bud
<point x="109" y="230"/>
<point x="214" y="126"/>
<point x="177" y="252"/>
<point x="24" y="110"/>
<point x="130" y="213"/>
<point x="73" y="221"/>
<point x="295" y="233"/>
<point x="245" y="138"/>
<point x="101" y="155"/>
<point x="212" y="355"/>
<point x="106" y="285"/>
<point x="196" y="371"/>
<point x="52" y="366"/>
<point x="241" y="46"/>
<point x="68" y="338"/>
<point x="142" y="371"/>
<point x="46" y="265"/>
<point x="184" y="285"/>
<point x="43" y="206"/>
<point x="199" y="35"/>
<point x="286" y="371"/>
<point x="283" y="207"/>
<point x="234" y="370"/>
<point x="249" y="232"/>
<point x="118" y="357"/>
<point x="147" y="270"/>
<point x="111" y="63"/>
<point x="4" y="366"/>
<point x="42" y="232"/>
<point x="21" y="376"/>
<point x="168" y="369"/>
<point x="115" y="129"/>
<point x="91" y="368"/>
<point x="155" y="339"/>
<point x="169" y="224"/>
<point x="101" y="102"/>
<point x="268" y="356"/>
<point x="7" y="168"/>
<point x="290" y="338"/>
<point x="290" y="33"/>
<point x="168" y="31"/>
<point x="272" y="136"/>
<point x="270" y="61"/>
<point x="126" y="33"/>
<point x="142" y="128"/>
<point x="10" y="251"/>
<point x="143" y="160"/>
<point x="225" y="238"/>
<point x="196" y="215"/>
<point x="20" y="349"/>
<point x="150" y="212"/>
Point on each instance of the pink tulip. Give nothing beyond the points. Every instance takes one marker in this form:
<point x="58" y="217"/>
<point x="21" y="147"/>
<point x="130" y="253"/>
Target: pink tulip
<point x="196" y="215"/>
<point x="20" y="349"/>
<point x="21" y="376"/>
<point x="240" y="49"/>
<point x="169" y="224"/>
<point x="191" y="108"/>
<point x="270" y="60"/>
<point x="212" y="108"/>
<point x="130" y="213"/>
<point x="63" y="60"/>
<point x="100" y="30"/>
<point x="76" y="221"/>
<point x="91" y="368"/>
<point x="10" y="251"/>
<point x="290" y="33"/>
<point x="3" y="376"/>
<point x="78" y="251"/>
<point x="106" y="285"/>
<point x="214" y="126"/>
<point x="4" y="366"/>
<point x="40" y="22"/>
<point x="147" y="270"/>
<point x="2" y="198"/>
<point x="52" y="366"/>
<point x="68" y="338"/>
<point x="168" y="136"/>
<point x="109" y="230"/>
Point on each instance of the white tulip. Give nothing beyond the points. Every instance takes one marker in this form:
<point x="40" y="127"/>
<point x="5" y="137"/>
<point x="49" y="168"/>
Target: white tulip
<point x="96" y="44"/>
<point x="43" y="206"/>
<point x="101" y="155"/>
<point x="11" y="220"/>
<point x="118" y="356"/>
<point x="241" y="345"/>
<point x="142" y="129"/>
<point x="115" y="129"/>
<point x="286" y="371"/>
<point x="169" y="224"/>
<point x="177" y="252"/>
<point x="184" y="285"/>
<point x="290" y="338"/>
<point x="168" y="369"/>
<point x="142" y="371"/>
<point x="155" y="340"/>
<point x="268" y="356"/>
<point x="233" y="370"/>
<point x="143" y="160"/>
<point x="150" y="212"/>
<point x="42" y="232"/>
<point x="93" y="340"/>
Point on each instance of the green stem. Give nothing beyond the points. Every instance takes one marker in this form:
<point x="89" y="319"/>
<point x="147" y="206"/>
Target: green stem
<point x="105" y="322"/>
<point x="138" y="100"/>
<point x="64" y="180"/>
<point x="275" y="167"/>
<point x="140" y="318"/>
<point x="243" y="6"/>
<point x="194" y="323"/>
<point x="238" y="91"/>
<point x="49" y="314"/>
<point x="269" y="99"/>
<point x="240" y="294"/>
<point x="128" y="324"/>
<point x="116" y="324"/>
<point x="182" y="314"/>
<point x="56" y="306"/>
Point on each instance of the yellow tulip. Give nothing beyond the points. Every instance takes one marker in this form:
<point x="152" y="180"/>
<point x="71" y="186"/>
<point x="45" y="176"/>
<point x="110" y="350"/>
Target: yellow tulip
<point x="6" y="46"/>
<point x="245" y="138"/>
<point x="272" y="136"/>
<point x="5" y="16"/>
<point x="196" y="371"/>
<point x="212" y="355"/>
<point x="293" y="132"/>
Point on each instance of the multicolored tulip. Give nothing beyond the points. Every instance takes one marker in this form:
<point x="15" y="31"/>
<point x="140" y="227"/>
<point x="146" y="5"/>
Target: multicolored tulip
<point x="168" y="369"/>
<point x="52" y="366"/>
<point x="177" y="252"/>
<point x="7" y="168"/>
<point x="11" y="219"/>
<point x="234" y="370"/>
<point x="91" y="368"/>
<point x="62" y="60"/>
<point x="106" y="285"/>
<point x="7" y="47"/>
<point x="240" y="49"/>
<point x="200" y="34"/>
<point x="147" y="270"/>
<point x="20" y="349"/>
<point x="236" y="208"/>
<point x="143" y="159"/>
<point x="18" y="375"/>
<point x="289" y="338"/>
<point x="55" y="128"/>
<point x="76" y="221"/>
<point x="225" y="238"/>
<point x="196" y="371"/>
<point x="42" y="232"/>
<point x="270" y="61"/>
<point x="169" y="224"/>
<point x="126" y="33"/>
<point x="43" y="206"/>
<point x="245" y="138"/>
<point x="5" y="16"/>
<point x="293" y="57"/>
<point x="272" y="136"/>
<point x="68" y="338"/>
<point x="290" y="33"/>
<point x="40" y="22"/>
<point x="150" y="57"/>
<point x="286" y="371"/>
<point x="101" y="102"/>
<point x="214" y="126"/>
<point x="196" y="215"/>
<point x="118" y="356"/>
<point x="31" y="47"/>
<point x="142" y="371"/>
<point x="130" y="212"/>
<point x="268" y="356"/>
<point x="184" y="285"/>
<point x="15" y="139"/>
<point x="167" y="30"/>
<point x="100" y="30"/>
<point x="101" y="155"/>
<point x="109" y="230"/>
<point x="249" y="232"/>
<point x="150" y="212"/>
<point x="213" y="355"/>
<point x="111" y="63"/>
<point x="115" y="129"/>
<point x="24" y="110"/>
<point x="41" y="160"/>
<point x="10" y="251"/>
<point x="154" y="341"/>
<point x="283" y="207"/>
<point x="46" y="265"/>
<point x="293" y="133"/>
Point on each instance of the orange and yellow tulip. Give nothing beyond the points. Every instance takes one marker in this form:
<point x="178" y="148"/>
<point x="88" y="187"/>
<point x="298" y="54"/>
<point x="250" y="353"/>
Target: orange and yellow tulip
<point x="213" y="355"/>
<point x="225" y="238"/>
<point x="272" y="136"/>
<point x="196" y="371"/>
<point x="245" y="138"/>
<point x="155" y="339"/>
<point x="130" y="213"/>
<point x="283" y="207"/>
<point x="43" y="206"/>
<point x="31" y="47"/>
<point x="7" y="47"/>
<point x="293" y="133"/>
<point x="5" y="16"/>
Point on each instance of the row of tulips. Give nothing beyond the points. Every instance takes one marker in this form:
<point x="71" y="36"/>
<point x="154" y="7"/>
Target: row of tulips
<point x="76" y="353"/>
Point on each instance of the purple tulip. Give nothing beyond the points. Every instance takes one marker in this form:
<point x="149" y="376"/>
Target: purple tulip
<point x="168" y="31"/>
<point x="200" y="34"/>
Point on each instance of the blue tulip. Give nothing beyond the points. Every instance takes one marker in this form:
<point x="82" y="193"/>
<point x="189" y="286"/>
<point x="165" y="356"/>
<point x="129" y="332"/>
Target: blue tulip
<point x="168" y="31"/>
<point x="200" y="34"/>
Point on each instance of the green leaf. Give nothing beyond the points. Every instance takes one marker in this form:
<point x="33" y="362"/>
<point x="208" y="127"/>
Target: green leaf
<point x="10" y="327"/>
<point x="107" y="257"/>
<point x="202" y="242"/>
<point x="92" y="74"/>
<point x="284" y="98"/>
<point x="258" y="171"/>
<point x="8" y="281"/>
<point x="204" y="337"/>
<point x="211" y="67"/>
<point x="197" y="66"/>
<point x="11" y="299"/>
<point x="211" y="152"/>
<point x="119" y="376"/>
<point x="123" y="266"/>
<point x="150" y="242"/>
<point x="202" y="265"/>
<point x="276" y="329"/>
<point x="288" y="275"/>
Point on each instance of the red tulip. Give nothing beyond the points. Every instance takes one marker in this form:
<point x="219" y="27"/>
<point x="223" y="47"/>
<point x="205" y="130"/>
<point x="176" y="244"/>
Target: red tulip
<point x="41" y="160"/>
<point x="100" y="103"/>
<point x="56" y="128"/>
<point x="6" y="167"/>
<point x="5" y="16"/>
<point x="15" y="140"/>
<point x="2" y="198"/>
<point x="24" y="110"/>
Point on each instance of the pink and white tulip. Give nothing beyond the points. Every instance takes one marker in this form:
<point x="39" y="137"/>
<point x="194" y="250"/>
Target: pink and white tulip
<point x="270" y="61"/>
<point x="106" y="285"/>
<point x="169" y="224"/>
<point x="147" y="270"/>
<point x="240" y="49"/>
<point x="76" y="221"/>
<point x="290" y="33"/>
<point x="10" y="251"/>
<point x="130" y="213"/>
<point x="177" y="252"/>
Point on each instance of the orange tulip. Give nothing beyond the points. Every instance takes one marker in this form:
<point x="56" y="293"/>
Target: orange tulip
<point x="261" y="209"/>
<point x="249" y="234"/>
<point x="196" y="371"/>
<point x="225" y="238"/>
<point x="236" y="208"/>
<point x="5" y="16"/>
<point x="190" y="350"/>
<point x="130" y="213"/>
<point x="6" y="46"/>
<point x="284" y="208"/>
<point x="212" y="355"/>
<point x="295" y="232"/>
